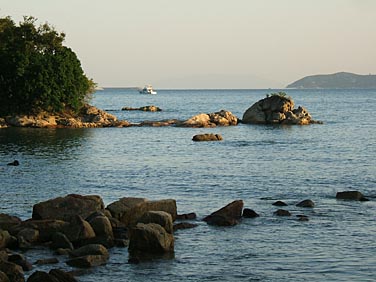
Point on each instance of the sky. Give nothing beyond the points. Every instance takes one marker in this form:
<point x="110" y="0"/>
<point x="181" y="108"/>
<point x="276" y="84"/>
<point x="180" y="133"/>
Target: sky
<point x="216" y="44"/>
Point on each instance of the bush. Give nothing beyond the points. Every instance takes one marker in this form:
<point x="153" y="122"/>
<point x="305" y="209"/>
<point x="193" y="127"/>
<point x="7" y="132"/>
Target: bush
<point x="37" y="72"/>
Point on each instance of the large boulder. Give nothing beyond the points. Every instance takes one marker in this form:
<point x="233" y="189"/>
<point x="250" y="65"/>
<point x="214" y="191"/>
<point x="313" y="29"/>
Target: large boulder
<point x="150" y="238"/>
<point x="8" y="221"/>
<point x="129" y="210"/>
<point x="13" y="271"/>
<point x="226" y="216"/>
<point x="162" y="218"/>
<point x="78" y="230"/>
<point x="65" y="208"/>
<point x="221" y="118"/>
<point x="276" y="109"/>
<point x="5" y="239"/>
<point x="39" y="276"/>
<point x="103" y="230"/>
<point x="3" y="276"/>
<point x="62" y="276"/>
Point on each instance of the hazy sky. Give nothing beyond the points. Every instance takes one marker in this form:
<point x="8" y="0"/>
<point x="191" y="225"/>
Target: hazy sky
<point x="210" y="43"/>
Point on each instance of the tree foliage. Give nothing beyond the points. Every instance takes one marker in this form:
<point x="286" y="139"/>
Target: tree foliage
<point x="38" y="73"/>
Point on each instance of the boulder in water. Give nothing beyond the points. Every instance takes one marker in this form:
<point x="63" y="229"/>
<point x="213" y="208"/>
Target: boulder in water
<point x="277" y="109"/>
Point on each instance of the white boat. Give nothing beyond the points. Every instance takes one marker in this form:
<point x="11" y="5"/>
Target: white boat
<point x="148" y="89"/>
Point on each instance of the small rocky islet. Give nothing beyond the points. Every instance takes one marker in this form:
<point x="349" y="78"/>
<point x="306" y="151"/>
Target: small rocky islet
<point x="274" y="109"/>
<point x="80" y="230"/>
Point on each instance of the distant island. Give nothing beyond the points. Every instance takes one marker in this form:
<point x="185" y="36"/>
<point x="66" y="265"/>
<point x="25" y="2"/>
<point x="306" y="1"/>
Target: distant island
<point x="340" y="80"/>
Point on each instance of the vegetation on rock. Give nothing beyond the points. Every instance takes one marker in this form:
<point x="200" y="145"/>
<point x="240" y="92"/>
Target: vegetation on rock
<point x="37" y="72"/>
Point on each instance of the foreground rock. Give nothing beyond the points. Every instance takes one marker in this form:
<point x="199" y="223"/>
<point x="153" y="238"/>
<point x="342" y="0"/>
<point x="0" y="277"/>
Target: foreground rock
<point x="207" y="137"/>
<point x="89" y="116"/>
<point x="150" y="238"/>
<point x="55" y="275"/>
<point x="226" y="216"/>
<point x="129" y="210"/>
<point x="65" y="208"/>
<point x="12" y="271"/>
<point x="150" y="108"/>
<point x="351" y="195"/>
<point x="277" y="109"/>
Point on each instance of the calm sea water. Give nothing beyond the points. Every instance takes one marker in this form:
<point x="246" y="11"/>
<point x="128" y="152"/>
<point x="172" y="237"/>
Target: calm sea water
<point x="258" y="164"/>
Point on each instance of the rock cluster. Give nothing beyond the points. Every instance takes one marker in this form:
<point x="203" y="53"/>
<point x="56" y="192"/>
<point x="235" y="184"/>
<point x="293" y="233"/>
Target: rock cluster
<point x="89" y="116"/>
<point x="81" y="228"/>
<point x="277" y="109"/>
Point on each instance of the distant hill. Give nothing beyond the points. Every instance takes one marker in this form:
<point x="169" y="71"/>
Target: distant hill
<point x="340" y="80"/>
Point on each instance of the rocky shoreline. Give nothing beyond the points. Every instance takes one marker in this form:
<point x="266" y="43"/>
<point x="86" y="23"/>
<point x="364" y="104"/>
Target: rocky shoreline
<point x="80" y="230"/>
<point x="275" y="109"/>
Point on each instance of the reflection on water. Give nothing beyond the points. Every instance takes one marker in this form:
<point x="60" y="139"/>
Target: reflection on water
<point x="41" y="141"/>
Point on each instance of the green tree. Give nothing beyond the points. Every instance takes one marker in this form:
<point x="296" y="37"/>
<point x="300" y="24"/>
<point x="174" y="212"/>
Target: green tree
<point x="38" y="73"/>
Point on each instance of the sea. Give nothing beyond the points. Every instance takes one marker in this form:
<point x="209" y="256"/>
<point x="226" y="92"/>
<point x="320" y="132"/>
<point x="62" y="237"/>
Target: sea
<point x="258" y="164"/>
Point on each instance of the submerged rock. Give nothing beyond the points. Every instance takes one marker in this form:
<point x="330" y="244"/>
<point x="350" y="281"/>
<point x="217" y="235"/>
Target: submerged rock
<point x="184" y="225"/>
<point x="306" y="204"/>
<point x="351" y="195"/>
<point x="186" y="216"/>
<point x="281" y="212"/>
<point x="279" y="204"/>
<point x="248" y="213"/>
<point x="150" y="108"/>
<point x="14" y="163"/>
